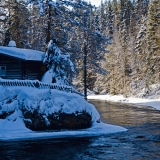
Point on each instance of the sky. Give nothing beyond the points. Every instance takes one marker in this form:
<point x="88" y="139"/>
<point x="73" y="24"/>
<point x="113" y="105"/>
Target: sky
<point x="95" y="2"/>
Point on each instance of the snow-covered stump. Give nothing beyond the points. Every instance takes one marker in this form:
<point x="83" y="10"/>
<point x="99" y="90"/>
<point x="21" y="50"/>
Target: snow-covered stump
<point x="46" y="109"/>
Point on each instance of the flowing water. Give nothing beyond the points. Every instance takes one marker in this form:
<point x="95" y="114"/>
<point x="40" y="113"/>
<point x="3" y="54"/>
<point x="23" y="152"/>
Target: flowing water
<point x="140" y="142"/>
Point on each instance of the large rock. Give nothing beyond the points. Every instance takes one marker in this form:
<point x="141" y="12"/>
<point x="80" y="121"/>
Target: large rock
<point x="56" y="121"/>
<point x="47" y="109"/>
<point x="7" y="107"/>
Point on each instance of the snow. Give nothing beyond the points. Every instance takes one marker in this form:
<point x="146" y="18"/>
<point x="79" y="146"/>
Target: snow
<point x="48" y="99"/>
<point x="47" y="77"/>
<point x="16" y="130"/>
<point x="13" y="127"/>
<point x="155" y="103"/>
<point x="25" y="54"/>
<point x="12" y="44"/>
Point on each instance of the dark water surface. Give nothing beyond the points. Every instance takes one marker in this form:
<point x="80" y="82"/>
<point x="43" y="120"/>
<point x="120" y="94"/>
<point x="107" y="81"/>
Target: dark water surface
<point x="140" y="142"/>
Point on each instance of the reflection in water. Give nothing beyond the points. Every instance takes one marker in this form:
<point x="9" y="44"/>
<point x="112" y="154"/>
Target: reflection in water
<point x="140" y="142"/>
<point x="126" y="114"/>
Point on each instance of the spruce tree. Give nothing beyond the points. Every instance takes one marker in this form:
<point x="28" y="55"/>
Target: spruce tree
<point x="152" y="59"/>
<point x="18" y="22"/>
<point x="3" y="21"/>
<point x="59" y="64"/>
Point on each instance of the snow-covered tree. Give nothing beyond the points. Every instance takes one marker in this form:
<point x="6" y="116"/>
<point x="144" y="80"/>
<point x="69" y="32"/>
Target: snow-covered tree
<point x="37" y="29"/>
<point x="18" y="22"/>
<point x="71" y="26"/>
<point x="59" y="64"/>
<point x="3" y="20"/>
<point x="110" y="20"/>
<point x="153" y="42"/>
<point x="91" y="43"/>
<point x="141" y="52"/>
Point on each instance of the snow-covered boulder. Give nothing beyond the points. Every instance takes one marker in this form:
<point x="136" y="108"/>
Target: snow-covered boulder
<point x="44" y="109"/>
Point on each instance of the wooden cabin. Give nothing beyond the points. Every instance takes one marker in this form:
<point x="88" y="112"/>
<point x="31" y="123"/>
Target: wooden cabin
<point x="18" y="63"/>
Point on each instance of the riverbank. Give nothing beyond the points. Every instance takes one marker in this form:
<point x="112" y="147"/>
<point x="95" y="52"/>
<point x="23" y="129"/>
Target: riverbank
<point x="141" y="141"/>
<point x="155" y="103"/>
<point x="24" y="109"/>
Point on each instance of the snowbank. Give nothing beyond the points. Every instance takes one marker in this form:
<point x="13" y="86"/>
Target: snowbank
<point x="47" y="100"/>
<point x="13" y="126"/>
<point x="119" y="98"/>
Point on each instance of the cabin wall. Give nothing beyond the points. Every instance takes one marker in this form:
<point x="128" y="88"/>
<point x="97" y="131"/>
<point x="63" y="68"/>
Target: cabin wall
<point x="20" y="69"/>
<point x="35" y="70"/>
<point x="13" y="67"/>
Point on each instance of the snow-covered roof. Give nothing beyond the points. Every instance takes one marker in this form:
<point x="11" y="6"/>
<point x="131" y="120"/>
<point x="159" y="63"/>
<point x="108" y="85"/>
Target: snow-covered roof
<point x="25" y="54"/>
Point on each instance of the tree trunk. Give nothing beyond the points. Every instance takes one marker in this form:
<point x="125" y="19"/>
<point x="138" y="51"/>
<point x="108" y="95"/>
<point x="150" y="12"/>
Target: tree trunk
<point x="48" y="30"/>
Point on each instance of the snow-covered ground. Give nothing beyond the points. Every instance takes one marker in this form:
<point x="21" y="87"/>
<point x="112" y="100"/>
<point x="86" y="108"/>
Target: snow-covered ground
<point x="17" y="130"/>
<point x="119" y="98"/>
<point x="13" y="127"/>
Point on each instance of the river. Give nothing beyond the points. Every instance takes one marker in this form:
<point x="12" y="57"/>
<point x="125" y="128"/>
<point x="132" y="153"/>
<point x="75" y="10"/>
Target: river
<point x="140" y="142"/>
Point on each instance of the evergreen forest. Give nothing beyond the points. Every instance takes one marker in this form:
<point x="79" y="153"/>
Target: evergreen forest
<point x="119" y="40"/>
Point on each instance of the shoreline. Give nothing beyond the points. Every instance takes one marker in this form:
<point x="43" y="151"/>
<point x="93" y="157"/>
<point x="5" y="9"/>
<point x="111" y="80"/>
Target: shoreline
<point x="153" y="103"/>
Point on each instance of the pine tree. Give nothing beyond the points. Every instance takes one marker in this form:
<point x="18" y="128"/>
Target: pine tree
<point x="124" y="37"/>
<point x="18" y="22"/>
<point x="3" y="20"/>
<point x="37" y="29"/>
<point x="110" y="27"/>
<point x="67" y="27"/>
<point x="152" y="58"/>
<point x="141" y="52"/>
<point x="59" y="64"/>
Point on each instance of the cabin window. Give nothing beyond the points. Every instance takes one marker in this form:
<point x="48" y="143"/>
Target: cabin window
<point x="2" y="70"/>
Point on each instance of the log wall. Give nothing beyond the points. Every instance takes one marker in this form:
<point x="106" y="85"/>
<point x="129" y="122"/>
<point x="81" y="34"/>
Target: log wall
<point x="21" y="69"/>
